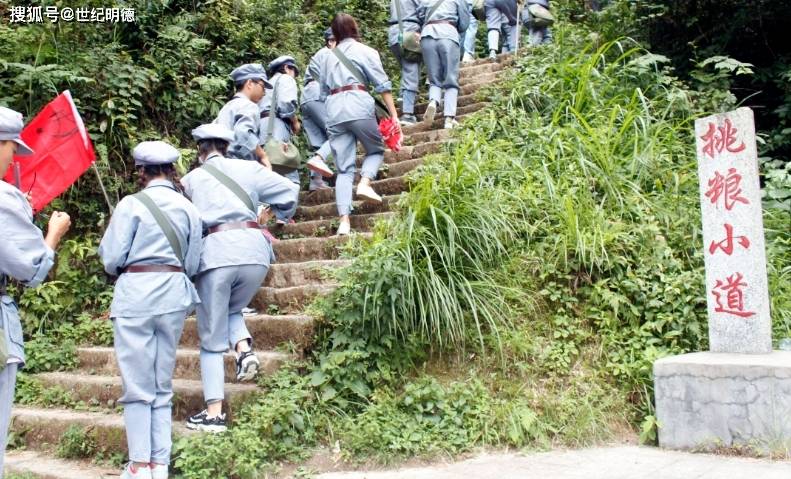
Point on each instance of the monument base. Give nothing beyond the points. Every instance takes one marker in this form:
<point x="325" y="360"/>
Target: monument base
<point x="708" y="400"/>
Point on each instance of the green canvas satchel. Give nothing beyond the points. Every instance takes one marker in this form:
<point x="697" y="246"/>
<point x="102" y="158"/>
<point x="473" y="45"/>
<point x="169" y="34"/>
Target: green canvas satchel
<point x="3" y="350"/>
<point x="284" y="156"/>
<point x="409" y="41"/>
<point x="540" y="16"/>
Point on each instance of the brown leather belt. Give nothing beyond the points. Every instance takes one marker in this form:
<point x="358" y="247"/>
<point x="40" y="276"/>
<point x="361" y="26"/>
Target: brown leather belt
<point x="347" y="88"/>
<point x="264" y="114"/>
<point x="236" y="225"/>
<point x="436" y="22"/>
<point x="153" y="268"/>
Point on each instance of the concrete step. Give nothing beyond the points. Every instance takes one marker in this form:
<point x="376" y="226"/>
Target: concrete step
<point x="421" y="126"/>
<point x="329" y="210"/>
<point x="416" y="150"/>
<point x="399" y="169"/>
<point x="268" y="331"/>
<point x="102" y="361"/>
<point x="460" y="110"/>
<point x="310" y="249"/>
<point x="463" y="100"/>
<point x="328" y="227"/>
<point x="291" y="300"/>
<point x="106" y="390"/>
<point x="43" y="465"/>
<point x="389" y="186"/>
<point x="283" y="275"/>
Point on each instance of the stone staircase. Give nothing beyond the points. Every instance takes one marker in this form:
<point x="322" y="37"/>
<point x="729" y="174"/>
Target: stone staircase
<point x="304" y="255"/>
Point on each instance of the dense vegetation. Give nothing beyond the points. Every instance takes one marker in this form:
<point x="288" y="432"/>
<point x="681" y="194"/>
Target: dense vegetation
<point x="537" y="267"/>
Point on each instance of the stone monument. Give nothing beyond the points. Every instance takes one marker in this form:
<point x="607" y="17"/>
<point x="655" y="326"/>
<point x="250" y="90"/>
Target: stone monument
<point x="739" y="393"/>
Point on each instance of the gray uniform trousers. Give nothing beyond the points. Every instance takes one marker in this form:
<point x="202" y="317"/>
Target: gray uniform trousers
<point x="224" y="292"/>
<point x="7" y="385"/>
<point x="343" y="139"/>
<point x="314" y="120"/>
<point x="442" y="62"/>
<point x="146" y="351"/>
<point x="410" y="80"/>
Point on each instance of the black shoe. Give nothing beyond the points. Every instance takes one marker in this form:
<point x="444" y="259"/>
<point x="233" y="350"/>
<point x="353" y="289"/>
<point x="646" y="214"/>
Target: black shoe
<point x="247" y="366"/>
<point x="202" y="422"/>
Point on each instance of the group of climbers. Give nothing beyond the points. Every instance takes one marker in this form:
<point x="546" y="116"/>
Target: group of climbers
<point x="197" y="243"/>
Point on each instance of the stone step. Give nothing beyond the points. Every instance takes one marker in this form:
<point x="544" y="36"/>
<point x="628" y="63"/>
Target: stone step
<point x="106" y="390"/>
<point x="42" y="465"/>
<point x="389" y="186"/>
<point x="291" y="300"/>
<point x="284" y="275"/>
<point x="310" y="249"/>
<point x="329" y="210"/>
<point x="328" y="227"/>
<point x="102" y="361"/>
<point x="421" y="126"/>
<point x="463" y="100"/>
<point x="460" y="110"/>
<point x="399" y="169"/>
<point x="268" y="331"/>
<point x="416" y="150"/>
<point x="472" y="72"/>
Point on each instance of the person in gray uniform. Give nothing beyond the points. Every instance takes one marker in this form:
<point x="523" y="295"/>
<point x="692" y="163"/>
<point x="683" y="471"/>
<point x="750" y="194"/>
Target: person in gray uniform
<point x="241" y="114"/>
<point x="235" y="259"/>
<point x="444" y="21"/>
<point x="351" y="113"/>
<point x="281" y="119"/>
<point x="501" y="17"/>
<point x="25" y="255"/>
<point x="470" y="35"/>
<point x="153" y="245"/>
<point x="410" y="69"/>
<point x="314" y="115"/>
<point x="538" y="35"/>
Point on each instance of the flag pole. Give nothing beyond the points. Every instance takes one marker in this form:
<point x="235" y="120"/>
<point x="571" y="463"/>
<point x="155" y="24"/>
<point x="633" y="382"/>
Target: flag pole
<point x="104" y="191"/>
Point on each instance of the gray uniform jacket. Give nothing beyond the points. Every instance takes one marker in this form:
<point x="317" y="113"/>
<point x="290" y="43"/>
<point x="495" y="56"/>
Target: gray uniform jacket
<point x="23" y="256"/>
<point x="312" y="89"/>
<point x="353" y="104"/>
<point x="241" y="116"/>
<point x="134" y="237"/>
<point x="453" y="11"/>
<point x="218" y="205"/>
<point x="287" y="107"/>
<point x="410" y="20"/>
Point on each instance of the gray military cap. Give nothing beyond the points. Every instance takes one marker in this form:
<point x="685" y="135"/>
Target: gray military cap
<point x="278" y="62"/>
<point x="250" y="71"/>
<point x="211" y="131"/>
<point x="152" y="153"/>
<point x="11" y="125"/>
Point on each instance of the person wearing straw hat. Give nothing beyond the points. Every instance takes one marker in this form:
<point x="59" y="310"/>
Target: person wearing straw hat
<point x="403" y="37"/>
<point x="241" y="114"/>
<point x="25" y="255"/>
<point x="444" y="21"/>
<point x="235" y="259"/>
<point x="153" y="245"/>
<point x="314" y="114"/>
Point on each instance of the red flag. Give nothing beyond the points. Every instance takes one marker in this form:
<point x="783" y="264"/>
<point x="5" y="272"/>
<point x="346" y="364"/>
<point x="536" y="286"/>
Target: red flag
<point x="63" y="151"/>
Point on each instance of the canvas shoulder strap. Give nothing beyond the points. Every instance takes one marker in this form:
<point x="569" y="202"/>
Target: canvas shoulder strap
<point x="270" y="129"/>
<point x="400" y="16"/>
<point x="434" y="9"/>
<point x="163" y="222"/>
<point x="349" y="65"/>
<point x="229" y="183"/>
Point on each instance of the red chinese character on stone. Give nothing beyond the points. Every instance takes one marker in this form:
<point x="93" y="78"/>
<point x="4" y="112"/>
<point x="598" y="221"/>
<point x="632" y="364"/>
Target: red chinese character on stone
<point x="721" y="138"/>
<point x="734" y="297"/>
<point x="726" y="245"/>
<point x="728" y="187"/>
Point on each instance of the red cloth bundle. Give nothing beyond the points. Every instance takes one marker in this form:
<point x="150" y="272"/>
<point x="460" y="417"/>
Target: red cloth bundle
<point x="391" y="133"/>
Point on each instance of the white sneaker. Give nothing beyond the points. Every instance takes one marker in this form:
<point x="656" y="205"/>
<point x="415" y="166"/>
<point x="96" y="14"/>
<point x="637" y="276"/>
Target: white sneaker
<point x="451" y="123"/>
<point x="344" y="228"/>
<point x="142" y="472"/>
<point x="249" y="312"/>
<point x="431" y="111"/>
<point x="467" y="58"/>
<point x="159" y="471"/>
<point x="317" y="164"/>
<point x="247" y="366"/>
<point x="368" y="193"/>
